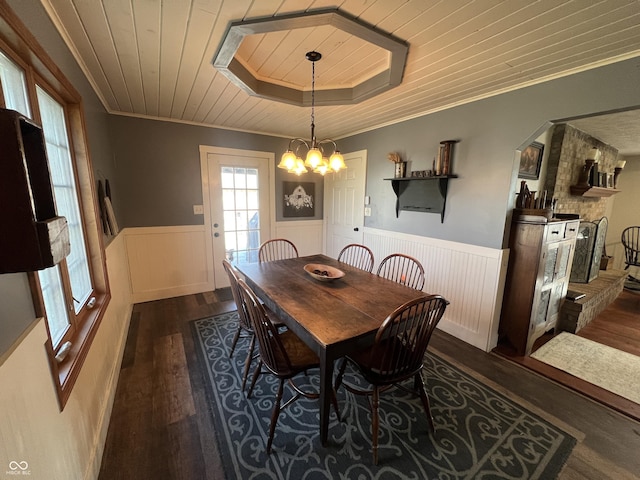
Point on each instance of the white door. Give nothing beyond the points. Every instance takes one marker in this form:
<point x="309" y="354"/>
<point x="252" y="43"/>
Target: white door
<point x="237" y="202"/>
<point x="344" y="203"/>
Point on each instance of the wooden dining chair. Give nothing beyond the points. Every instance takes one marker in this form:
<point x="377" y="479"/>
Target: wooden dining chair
<point x="277" y="249"/>
<point x="244" y="325"/>
<point x="402" y="269"/>
<point x="631" y="242"/>
<point x="283" y="354"/>
<point x="396" y="355"/>
<point x="358" y="256"/>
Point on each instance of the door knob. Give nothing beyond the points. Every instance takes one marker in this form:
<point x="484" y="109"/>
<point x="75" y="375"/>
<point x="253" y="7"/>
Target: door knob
<point x="215" y="225"/>
<point x="356" y="229"/>
<point x="216" y="234"/>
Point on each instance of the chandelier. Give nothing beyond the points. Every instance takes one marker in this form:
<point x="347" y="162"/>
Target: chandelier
<point x="317" y="158"/>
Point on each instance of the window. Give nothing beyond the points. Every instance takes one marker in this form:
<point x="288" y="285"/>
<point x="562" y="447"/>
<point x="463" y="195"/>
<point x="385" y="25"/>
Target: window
<point x="14" y="86"/>
<point x="72" y="295"/>
<point x="67" y="205"/>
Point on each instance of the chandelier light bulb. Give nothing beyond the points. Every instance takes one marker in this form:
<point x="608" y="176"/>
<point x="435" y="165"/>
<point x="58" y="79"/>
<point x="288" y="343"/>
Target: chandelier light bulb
<point x="336" y="162"/>
<point x="314" y="158"/>
<point x="299" y="167"/>
<point x="322" y="168"/>
<point x="288" y="160"/>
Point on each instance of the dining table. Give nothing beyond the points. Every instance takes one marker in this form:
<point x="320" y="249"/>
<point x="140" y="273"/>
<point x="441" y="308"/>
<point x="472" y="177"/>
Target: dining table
<point x="334" y="317"/>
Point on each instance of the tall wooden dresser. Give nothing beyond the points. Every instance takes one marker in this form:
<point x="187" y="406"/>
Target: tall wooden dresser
<point x="540" y="261"/>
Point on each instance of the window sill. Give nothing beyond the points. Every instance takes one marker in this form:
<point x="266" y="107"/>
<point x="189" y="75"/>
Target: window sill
<point x="66" y="373"/>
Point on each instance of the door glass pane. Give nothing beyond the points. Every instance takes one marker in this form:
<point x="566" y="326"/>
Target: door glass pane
<point x="252" y="199"/>
<point x="65" y="193"/>
<point x="241" y="219"/>
<point x="14" y="86"/>
<point x="252" y="179"/>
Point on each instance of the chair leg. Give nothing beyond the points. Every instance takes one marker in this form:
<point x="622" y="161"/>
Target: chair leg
<point x="334" y="400"/>
<point x="275" y="414"/>
<point x="422" y="391"/>
<point x="247" y="362"/>
<point x="375" y="422"/>
<point x="256" y="374"/>
<point x="235" y="340"/>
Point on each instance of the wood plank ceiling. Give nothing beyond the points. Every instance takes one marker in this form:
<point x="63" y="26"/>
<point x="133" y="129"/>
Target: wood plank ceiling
<point x="152" y="58"/>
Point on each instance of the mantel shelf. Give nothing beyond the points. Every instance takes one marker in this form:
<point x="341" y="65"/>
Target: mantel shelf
<point x="414" y="194"/>
<point x="589" y="191"/>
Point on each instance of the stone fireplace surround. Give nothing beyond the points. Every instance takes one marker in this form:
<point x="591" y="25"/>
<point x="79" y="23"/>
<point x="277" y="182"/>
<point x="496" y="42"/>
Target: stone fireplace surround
<point x="567" y="152"/>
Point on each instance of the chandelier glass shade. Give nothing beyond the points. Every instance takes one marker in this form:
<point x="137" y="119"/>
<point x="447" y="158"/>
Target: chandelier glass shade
<point x="316" y="158"/>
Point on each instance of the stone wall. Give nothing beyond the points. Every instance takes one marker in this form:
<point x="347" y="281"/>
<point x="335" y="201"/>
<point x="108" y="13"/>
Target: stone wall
<point x="568" y="150"/>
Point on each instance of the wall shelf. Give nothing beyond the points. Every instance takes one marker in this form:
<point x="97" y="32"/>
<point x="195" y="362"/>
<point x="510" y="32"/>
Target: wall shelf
<point x="421" y="194"/>
<point x="589" y="191"/>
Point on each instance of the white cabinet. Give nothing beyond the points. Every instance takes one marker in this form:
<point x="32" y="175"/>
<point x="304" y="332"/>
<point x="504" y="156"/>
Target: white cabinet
<point x="540" y="261"/>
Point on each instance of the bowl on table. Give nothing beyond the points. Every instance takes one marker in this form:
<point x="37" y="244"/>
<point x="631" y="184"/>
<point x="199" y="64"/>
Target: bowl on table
<point x="323" y="273"/>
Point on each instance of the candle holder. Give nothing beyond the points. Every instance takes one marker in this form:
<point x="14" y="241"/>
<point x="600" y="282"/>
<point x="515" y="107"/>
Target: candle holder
<point x="583" y="181"/>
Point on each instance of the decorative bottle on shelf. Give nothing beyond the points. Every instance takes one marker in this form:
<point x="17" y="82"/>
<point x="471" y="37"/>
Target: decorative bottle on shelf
<point x="445" y="152"/>
<point x="522" y="200"/>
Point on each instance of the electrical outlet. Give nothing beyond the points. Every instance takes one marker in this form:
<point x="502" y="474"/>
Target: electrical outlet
<point x="198" y="210"/>
<point x="367" y="211"/>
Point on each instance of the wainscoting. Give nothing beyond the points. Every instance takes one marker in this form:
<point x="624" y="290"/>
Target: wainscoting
<point x="308" y="235"/>
<point x="67" y="444"/>
<point x="166" y="262"/>
<point x="470" y="277"/>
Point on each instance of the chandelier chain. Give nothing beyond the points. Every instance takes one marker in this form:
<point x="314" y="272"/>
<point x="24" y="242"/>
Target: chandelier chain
<point x="316" y="151"/>
<point x="313" y="95"/>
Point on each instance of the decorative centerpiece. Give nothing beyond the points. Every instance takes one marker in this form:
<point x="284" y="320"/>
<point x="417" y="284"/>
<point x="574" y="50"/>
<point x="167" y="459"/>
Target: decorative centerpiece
<point x="401" y="166"/>
<point x="323" y="273"/>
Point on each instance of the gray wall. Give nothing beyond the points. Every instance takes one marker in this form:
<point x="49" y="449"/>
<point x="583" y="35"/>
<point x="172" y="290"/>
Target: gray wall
<point x="158" y="169"/>
<point x="489" y="132"/>
<point x="16" y="306"/>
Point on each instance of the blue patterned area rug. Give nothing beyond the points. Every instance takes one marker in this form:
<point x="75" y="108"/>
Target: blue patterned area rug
<point x="479" y="433"/>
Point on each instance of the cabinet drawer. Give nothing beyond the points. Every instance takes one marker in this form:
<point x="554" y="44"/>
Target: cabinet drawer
<point x="555" y="232"/>
<point x="571" y="229"/>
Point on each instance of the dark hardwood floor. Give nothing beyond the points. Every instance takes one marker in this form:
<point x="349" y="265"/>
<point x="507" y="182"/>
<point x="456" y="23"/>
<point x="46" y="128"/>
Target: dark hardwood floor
<point x="161" y="426"/>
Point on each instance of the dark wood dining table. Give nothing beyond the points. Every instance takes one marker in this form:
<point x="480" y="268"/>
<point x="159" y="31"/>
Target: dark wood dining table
<point x="333" y="318"/>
